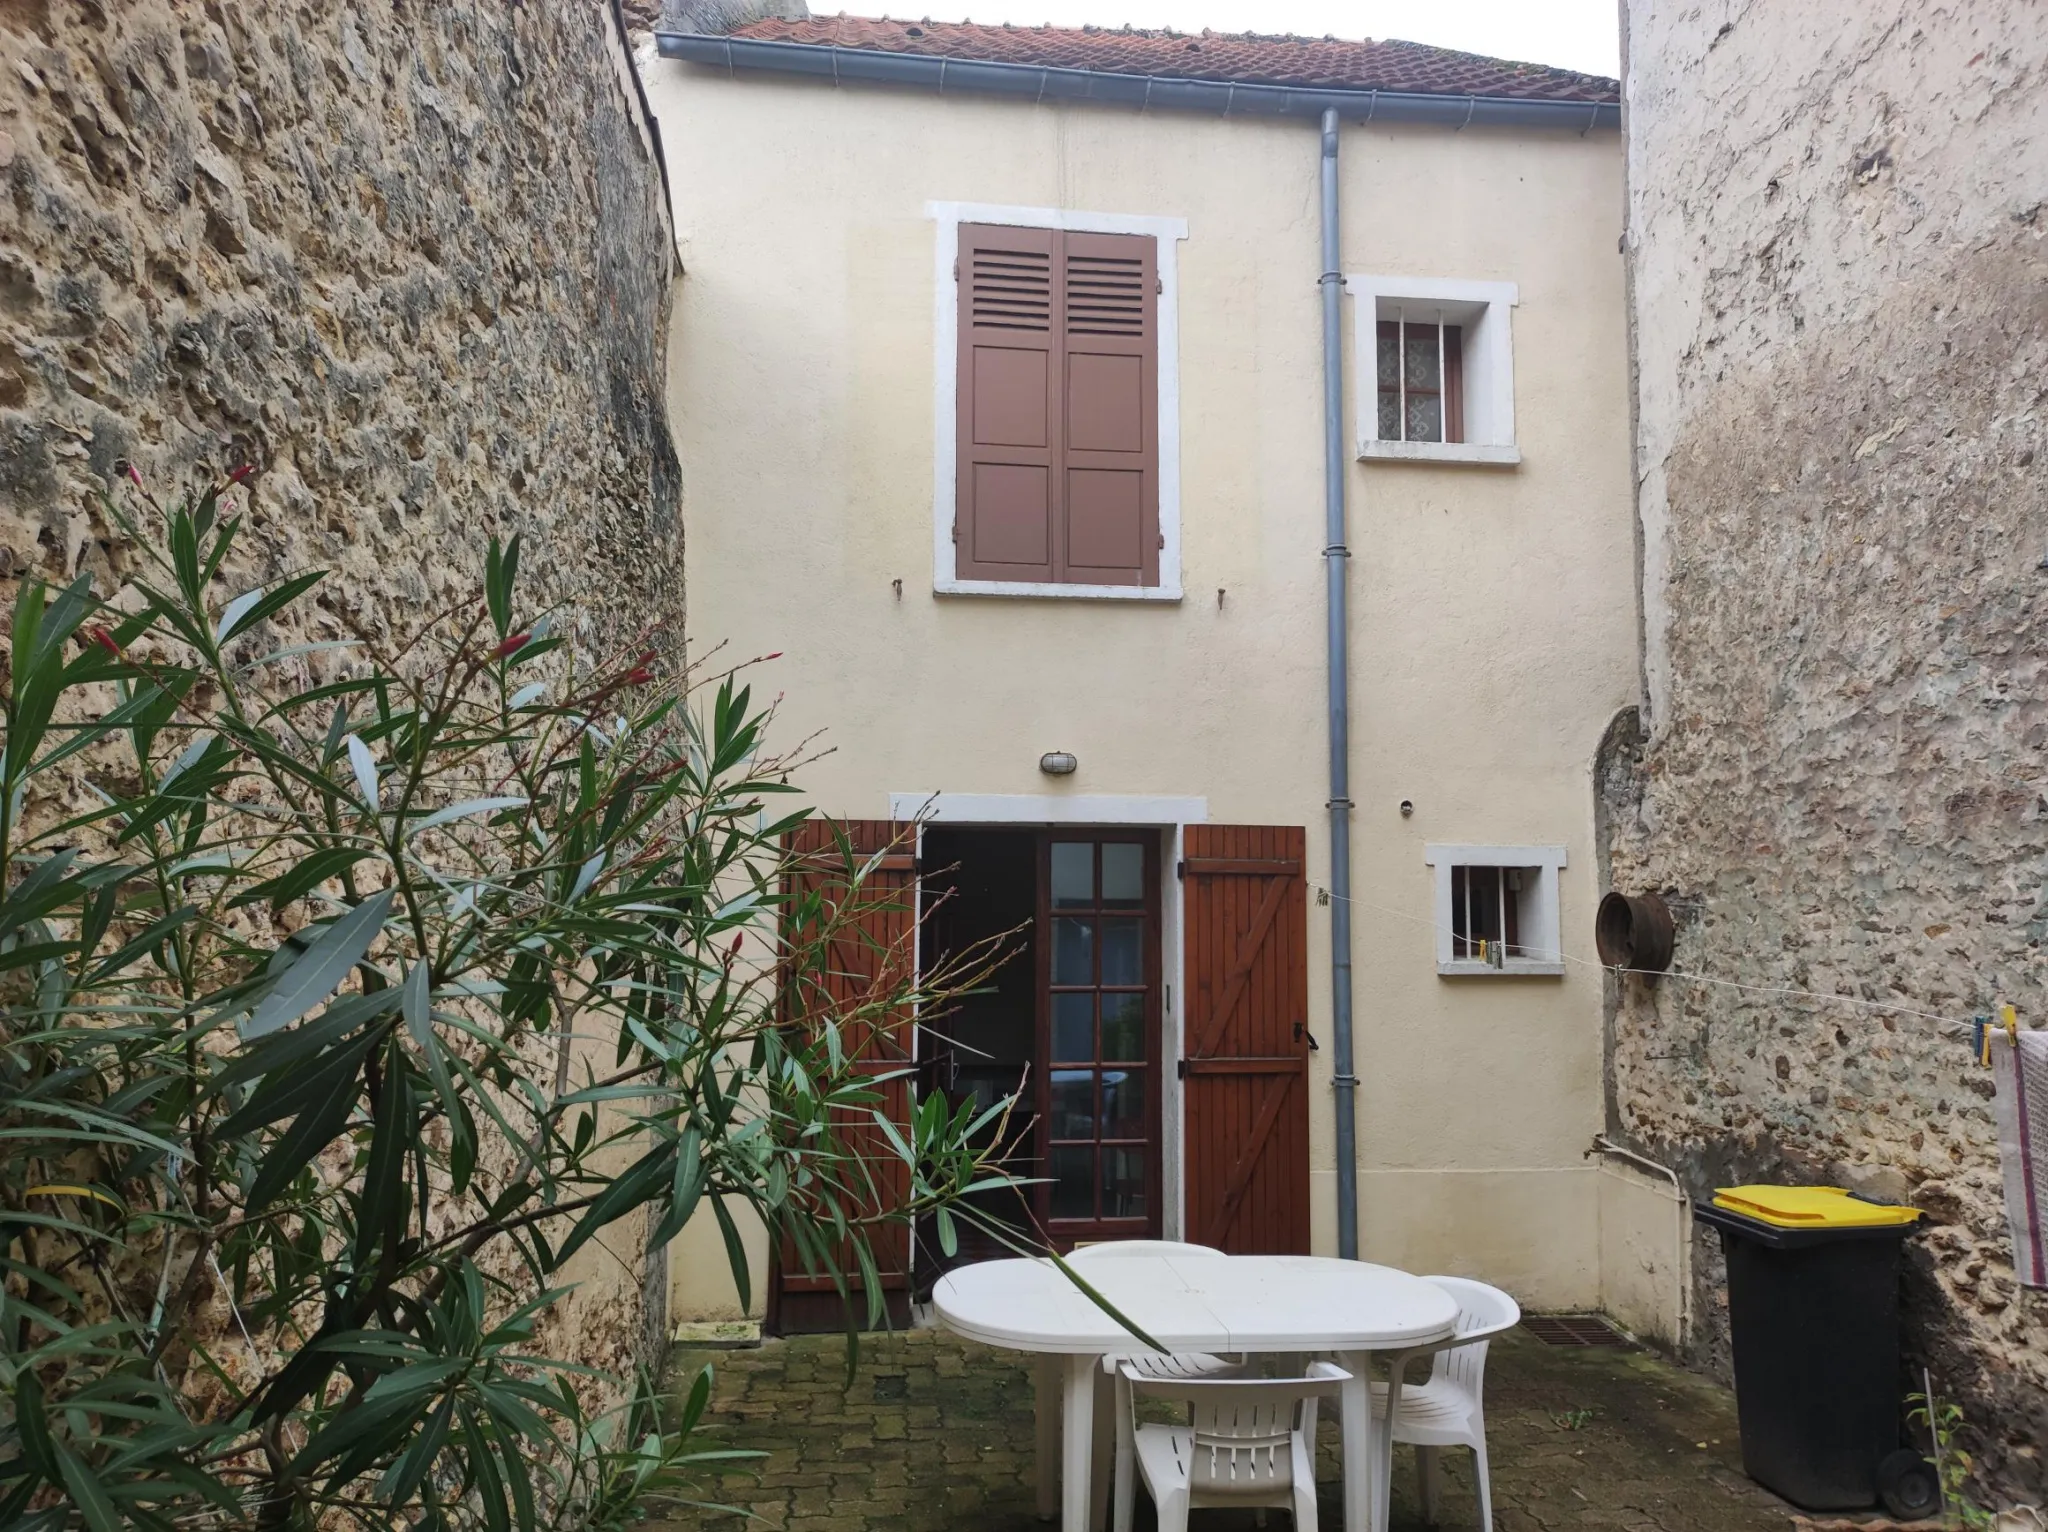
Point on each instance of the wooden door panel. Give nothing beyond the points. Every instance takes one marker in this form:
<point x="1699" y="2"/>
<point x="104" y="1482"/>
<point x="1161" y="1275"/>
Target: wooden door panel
<point x="1246" y="1071"/>
<point x="865" y="957"/>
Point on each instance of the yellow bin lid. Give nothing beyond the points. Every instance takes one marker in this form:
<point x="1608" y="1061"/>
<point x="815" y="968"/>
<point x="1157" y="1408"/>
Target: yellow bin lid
<point x="1810" y="1207"/>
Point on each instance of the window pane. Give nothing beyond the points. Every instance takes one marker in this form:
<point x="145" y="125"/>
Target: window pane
<point x="1389" y="360"/>
<point x="1073" y="951"/>
<point x="1123" y="1183"/>
<point x="1123" y="876"/>
<point x="1072" y="1169"/>
<point x="1073" y="874"/>
<point x="1422" y="357"/>
<point x="1073" y="1103"/>
<point x="1475" y="909"/>
<point x="1390" y="416"/>
<point x="1123" y="951"/>
<point x="1123" y="1026"/>
<point x="1425" y="418"/>
<point x="1073" y="1028"/>
<point x="1123" y="1103"/>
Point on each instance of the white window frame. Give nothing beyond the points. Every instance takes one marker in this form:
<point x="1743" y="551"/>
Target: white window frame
<point x="1485" y="310"/>
<point x="1542" y="930"/>
<point x="1167" y="233"/>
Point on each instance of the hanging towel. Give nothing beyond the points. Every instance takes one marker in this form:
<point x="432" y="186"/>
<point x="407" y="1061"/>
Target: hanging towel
<point x="2021" y="1070"/>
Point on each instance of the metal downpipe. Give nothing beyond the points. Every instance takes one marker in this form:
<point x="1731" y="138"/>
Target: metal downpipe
<point x="1336" y="556"/>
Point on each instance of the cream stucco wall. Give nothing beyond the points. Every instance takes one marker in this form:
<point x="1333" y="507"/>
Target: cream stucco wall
<point x="1494" y="628"/>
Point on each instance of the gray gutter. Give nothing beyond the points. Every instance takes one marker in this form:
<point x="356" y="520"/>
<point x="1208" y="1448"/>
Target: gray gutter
<point x="1336" y="558"/>
<point x="1044" y="83"/>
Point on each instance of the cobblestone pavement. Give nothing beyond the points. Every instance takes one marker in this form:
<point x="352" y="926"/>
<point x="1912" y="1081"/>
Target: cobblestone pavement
<point x="936" y="1433"/>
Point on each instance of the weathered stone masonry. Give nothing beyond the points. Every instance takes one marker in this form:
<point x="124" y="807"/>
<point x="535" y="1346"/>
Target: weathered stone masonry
<point x="412" y="261"/>
<point x="1839" y="259"/>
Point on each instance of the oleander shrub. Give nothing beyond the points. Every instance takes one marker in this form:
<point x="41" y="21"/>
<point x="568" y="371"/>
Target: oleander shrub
<point x="348" y="991"/>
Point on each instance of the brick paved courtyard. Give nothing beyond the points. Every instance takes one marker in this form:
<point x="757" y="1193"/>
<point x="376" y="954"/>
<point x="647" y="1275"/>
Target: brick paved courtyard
<point x="936" y="1434"/>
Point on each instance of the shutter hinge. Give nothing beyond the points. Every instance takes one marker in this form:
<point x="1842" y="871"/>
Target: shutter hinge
<point x="956" y="271"/>
<point x="956" y="531"/>
<point x="1180" y="869"/>
<point x="1162" y="541"/>
<point x="1180" y="1069"/>
<point x="1159" y="285"/>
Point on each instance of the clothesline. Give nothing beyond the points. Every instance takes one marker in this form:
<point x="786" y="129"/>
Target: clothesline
<point x="1959" y="1026"/>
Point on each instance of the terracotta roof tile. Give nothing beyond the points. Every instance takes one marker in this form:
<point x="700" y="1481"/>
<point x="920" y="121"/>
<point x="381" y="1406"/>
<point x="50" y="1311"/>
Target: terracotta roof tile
<point x="1245" y="58"/>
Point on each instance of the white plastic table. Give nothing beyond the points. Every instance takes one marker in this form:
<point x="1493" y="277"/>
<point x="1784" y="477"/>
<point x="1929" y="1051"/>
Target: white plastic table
<point x="1290" y="1303"/>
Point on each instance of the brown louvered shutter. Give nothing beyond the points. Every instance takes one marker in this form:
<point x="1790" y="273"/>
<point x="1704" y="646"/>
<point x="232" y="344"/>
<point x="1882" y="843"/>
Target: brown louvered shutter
<point x="1247" y="1038"/>
<point x="863" y="959"/>
<point x="1058" y="457"/>
<point x="1005" y="502"/>
<point x="1111" y="342"/>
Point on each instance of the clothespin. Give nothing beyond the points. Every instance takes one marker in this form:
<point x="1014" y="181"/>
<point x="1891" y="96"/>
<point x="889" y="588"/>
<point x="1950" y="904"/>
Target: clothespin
<point x="1482" y="949"/>
<point x="2011" y="1016"/>
<point x="1980" y="1040"/>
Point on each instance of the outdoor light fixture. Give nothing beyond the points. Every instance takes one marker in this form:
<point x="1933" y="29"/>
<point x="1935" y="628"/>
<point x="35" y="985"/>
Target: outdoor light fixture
<point x="1057" y="763"/>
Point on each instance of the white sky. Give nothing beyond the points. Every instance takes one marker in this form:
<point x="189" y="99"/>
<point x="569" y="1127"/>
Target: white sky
<point x="1575" y="34"/>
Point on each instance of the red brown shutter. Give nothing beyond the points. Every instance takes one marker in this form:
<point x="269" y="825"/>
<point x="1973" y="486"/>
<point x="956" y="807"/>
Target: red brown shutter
<point x="1006" y="497"/>
<point x="1058" y="451"/>
<point x="861" y="959"/>
<point x="1247" y="1038"/>
<point x="1111" y="367"/>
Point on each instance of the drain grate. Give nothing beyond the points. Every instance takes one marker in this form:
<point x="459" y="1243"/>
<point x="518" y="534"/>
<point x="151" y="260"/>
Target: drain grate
<point x="1573" y="1330"/>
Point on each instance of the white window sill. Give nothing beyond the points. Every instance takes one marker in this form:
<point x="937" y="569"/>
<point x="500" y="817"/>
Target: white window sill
<point x="1056" y="592"/>
<point x="1439" y="452"/>
<point x="1472" y="968"/>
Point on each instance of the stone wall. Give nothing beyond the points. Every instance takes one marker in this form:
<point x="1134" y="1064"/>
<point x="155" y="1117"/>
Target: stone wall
<point x="1840" y="300"/>
<point x="411" y="261"/>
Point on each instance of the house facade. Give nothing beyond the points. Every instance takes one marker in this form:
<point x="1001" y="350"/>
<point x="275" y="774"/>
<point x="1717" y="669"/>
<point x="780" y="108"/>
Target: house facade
<point x="999" y="362"/>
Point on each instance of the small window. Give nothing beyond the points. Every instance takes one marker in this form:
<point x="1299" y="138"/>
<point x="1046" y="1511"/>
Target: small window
<point x="1442" y="354"/>
<point x="1496" y="909"/>
<point x="1421" y="381"/>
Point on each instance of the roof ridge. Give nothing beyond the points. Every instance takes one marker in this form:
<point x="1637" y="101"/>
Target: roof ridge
<point x="1249" y="57"/>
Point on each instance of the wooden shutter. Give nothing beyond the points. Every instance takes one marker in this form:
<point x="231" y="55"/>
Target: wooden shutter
<point x="1058" y="440"/>
<point x="1246" y="1070"/>
<point x="856" y="963"/>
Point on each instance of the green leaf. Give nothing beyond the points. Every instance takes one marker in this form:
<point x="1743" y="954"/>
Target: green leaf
<point x="245" y="611"/>
<point x="365" y="767"/>
<point x="501" y="573"/>
<point x="687" y="1187"/>
<point x="300" y="879"/>
<point x="464" y="810"/>
<point x="284" y="1054"/>
<point x="314" y="1129"/>
<point x="735" y="1254"/>
<point x="384" y="1210"/>
<point x="408" y="1473"/>
<point x="87" y="1496"/>
<point x="632" y="1187"/>
<point x="31" y="1424"/>
<point x="326" y="963"/>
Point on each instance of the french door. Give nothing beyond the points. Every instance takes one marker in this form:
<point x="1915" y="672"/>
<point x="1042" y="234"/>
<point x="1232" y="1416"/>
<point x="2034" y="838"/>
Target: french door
<point x="1099" y="1035"/>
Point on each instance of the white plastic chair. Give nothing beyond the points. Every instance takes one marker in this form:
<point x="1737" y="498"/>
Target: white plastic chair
<point x="1249" y="1442"/>
<point x="1110" y="1401"/>
<point x="1448" y="1410"/>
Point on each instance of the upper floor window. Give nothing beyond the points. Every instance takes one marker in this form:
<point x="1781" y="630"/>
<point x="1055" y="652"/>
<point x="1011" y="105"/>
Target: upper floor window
<point x="1058" y="401"/>
<point x="1442" y="354"/>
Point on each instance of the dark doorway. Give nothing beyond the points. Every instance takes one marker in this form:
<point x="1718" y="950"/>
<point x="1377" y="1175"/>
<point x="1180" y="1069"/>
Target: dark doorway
<point x="1069" y="1022"/>
<point x="979" y="884"/>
